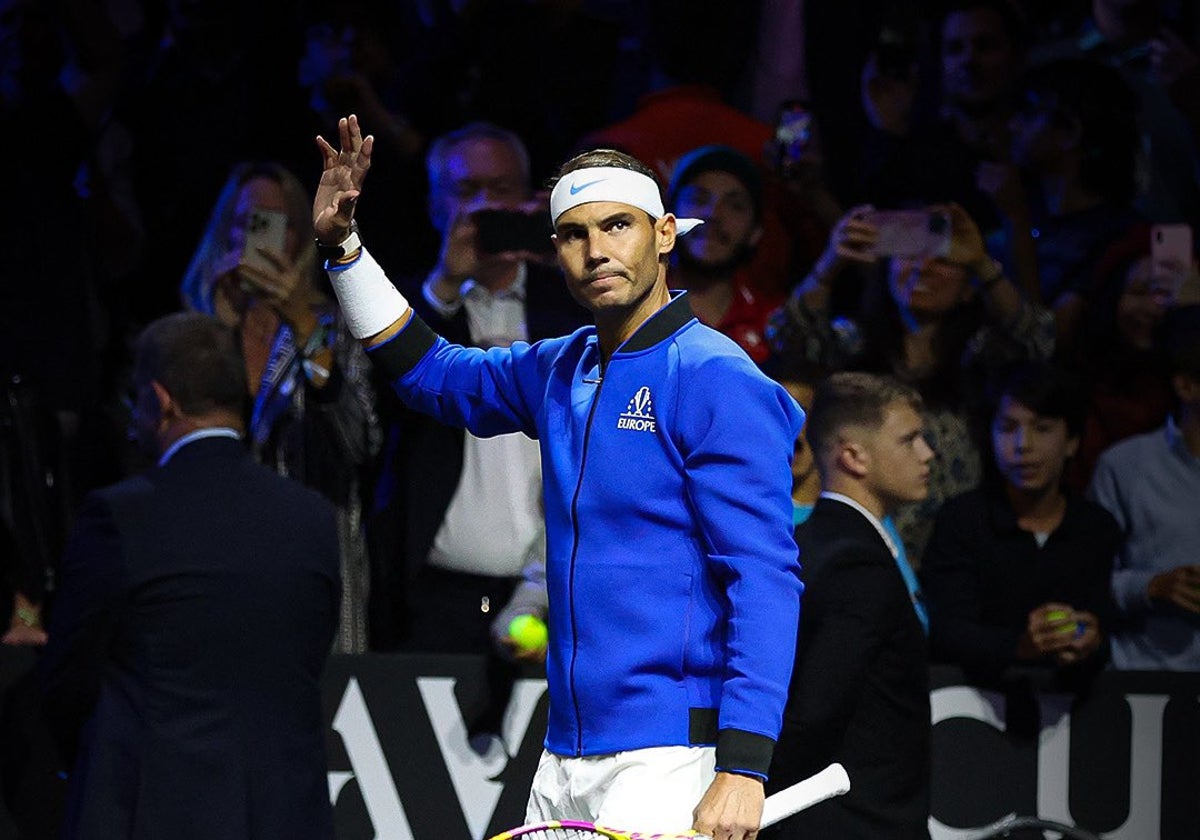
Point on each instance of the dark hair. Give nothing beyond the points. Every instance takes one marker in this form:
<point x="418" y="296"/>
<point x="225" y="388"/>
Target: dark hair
<point x="196" y="359"/>
<point x="1046" y="389"/>
<point x="1097" y="99"/>
<point x="883" y="334"/>
<point x="716" y="158"/>
<point x="603" y="157"/>
<point x="852" y="398"/>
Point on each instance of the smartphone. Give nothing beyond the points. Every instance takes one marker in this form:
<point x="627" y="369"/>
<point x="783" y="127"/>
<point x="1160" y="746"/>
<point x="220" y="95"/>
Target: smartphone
<point x="1171" y="252"/>
<point x="911" y="233"/>
<point x="793" y="132"/>
<point x="264" y="229"/>
<point x="498" y="231"/>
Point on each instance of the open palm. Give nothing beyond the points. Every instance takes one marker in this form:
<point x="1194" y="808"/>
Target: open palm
<point x="344" y="171"/>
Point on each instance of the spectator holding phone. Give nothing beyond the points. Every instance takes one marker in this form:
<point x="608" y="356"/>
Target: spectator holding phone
<point x="940" y="322"/>
<point x="1017" y="570"/>
<point x="463" y="514"/>
<point x="313" y="412"/>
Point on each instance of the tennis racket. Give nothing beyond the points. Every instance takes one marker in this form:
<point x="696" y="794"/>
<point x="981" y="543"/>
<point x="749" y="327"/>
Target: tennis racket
<point x="830" y="782"/>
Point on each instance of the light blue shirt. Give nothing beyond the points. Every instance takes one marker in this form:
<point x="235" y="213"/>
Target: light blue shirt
<point x="1151" y="485"/>
<point x="199" y="434"/>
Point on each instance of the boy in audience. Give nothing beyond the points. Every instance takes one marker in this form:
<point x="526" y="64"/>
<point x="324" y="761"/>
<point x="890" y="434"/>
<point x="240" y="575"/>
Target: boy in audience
<point x="1017" y="571"/>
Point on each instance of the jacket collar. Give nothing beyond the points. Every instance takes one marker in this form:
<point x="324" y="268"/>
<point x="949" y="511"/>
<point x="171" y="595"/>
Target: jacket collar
<point x="661" y="325"/>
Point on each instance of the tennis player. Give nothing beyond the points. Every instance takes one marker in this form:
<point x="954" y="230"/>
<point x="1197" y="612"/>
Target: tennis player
<point x="671" y="569"/>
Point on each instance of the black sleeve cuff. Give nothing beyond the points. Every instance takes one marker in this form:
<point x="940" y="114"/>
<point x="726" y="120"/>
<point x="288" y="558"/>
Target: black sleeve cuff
<point x="744" y="752"/>
<point x="400" y="354"/>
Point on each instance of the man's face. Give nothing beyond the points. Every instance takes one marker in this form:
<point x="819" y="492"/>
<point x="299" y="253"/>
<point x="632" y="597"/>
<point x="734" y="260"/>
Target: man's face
<point x="1031" y="450"/>
<point x="979" y="65"/>
<point x="609" y="253"/>
<point x="480" y="171"/>
<point x="730" y="228"/>
<point x="899" y="456"/>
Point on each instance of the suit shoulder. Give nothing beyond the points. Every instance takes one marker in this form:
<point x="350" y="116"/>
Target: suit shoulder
<point x="124" y="494"/>
<point x="269" y="485"/>
<point x="837" y="535"/>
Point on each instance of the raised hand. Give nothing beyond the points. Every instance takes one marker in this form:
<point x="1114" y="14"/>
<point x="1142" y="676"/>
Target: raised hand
<point x="281" y="285"/>
<point x="344" y="171"/>
<point x="851" y="240"/>
<point x="966" y="242"/>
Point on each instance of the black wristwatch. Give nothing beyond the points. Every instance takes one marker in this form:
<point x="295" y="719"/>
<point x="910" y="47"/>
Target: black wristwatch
<point x="347" y="246"/>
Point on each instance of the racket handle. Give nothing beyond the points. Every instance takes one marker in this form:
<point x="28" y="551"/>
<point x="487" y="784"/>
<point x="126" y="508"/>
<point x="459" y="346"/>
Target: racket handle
<point x="830" y="782"/>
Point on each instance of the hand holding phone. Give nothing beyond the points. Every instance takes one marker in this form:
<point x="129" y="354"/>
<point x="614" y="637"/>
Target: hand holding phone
<point x="265" y="230"/>
<point x="910" y="233"/>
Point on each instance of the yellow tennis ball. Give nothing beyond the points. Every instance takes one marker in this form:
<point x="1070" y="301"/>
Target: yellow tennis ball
<point x="529" y="632"/>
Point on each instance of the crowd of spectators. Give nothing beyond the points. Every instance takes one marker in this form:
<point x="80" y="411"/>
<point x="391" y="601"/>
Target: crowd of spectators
<point x="1051" y="140"/>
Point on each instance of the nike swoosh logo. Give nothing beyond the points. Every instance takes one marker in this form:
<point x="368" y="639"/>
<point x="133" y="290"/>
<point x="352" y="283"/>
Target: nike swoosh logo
<point x="576" y="188"/>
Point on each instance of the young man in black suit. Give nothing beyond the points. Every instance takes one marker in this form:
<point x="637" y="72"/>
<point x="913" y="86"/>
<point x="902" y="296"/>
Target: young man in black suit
<point x="197" y="605"/>
<point x="860" y="688"/>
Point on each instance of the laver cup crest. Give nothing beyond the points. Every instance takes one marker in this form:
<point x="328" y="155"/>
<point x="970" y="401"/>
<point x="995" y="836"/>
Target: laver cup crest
<point x="639" y="413"/>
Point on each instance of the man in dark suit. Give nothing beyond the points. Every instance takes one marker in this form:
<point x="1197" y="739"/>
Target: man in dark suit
<point x="860" y="688"/>
<point x="197" y="606"/>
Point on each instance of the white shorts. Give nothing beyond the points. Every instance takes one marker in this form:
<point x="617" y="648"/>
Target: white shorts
<point x="653" y="790"/>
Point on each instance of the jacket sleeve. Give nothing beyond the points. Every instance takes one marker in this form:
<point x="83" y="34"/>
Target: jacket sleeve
<point x="740" y="488"/>
<point x="489" y="392"/>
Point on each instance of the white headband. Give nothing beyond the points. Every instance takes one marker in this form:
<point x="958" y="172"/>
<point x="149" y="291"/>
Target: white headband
<point x="611" y="183"/>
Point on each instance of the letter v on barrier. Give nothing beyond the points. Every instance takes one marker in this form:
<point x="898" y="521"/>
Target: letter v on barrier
<point x="353" y="723"/>
<point x="473" y="775"/>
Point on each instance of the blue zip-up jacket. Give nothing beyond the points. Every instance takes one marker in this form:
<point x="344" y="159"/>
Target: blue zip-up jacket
<point x="672" y="572"/>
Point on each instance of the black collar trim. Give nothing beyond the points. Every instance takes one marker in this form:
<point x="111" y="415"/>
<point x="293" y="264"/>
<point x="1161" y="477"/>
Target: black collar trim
<point x="661" y="325"/>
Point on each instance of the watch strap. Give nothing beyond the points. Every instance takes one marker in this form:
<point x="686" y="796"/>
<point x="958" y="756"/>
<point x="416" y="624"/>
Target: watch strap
<point x="348" y="245"/>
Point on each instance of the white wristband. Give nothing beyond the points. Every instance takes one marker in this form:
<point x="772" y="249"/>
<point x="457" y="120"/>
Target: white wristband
<point x="369" y="301"/>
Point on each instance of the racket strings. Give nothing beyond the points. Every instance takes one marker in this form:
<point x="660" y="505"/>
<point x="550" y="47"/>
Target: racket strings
<point x="563" y="830"/>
